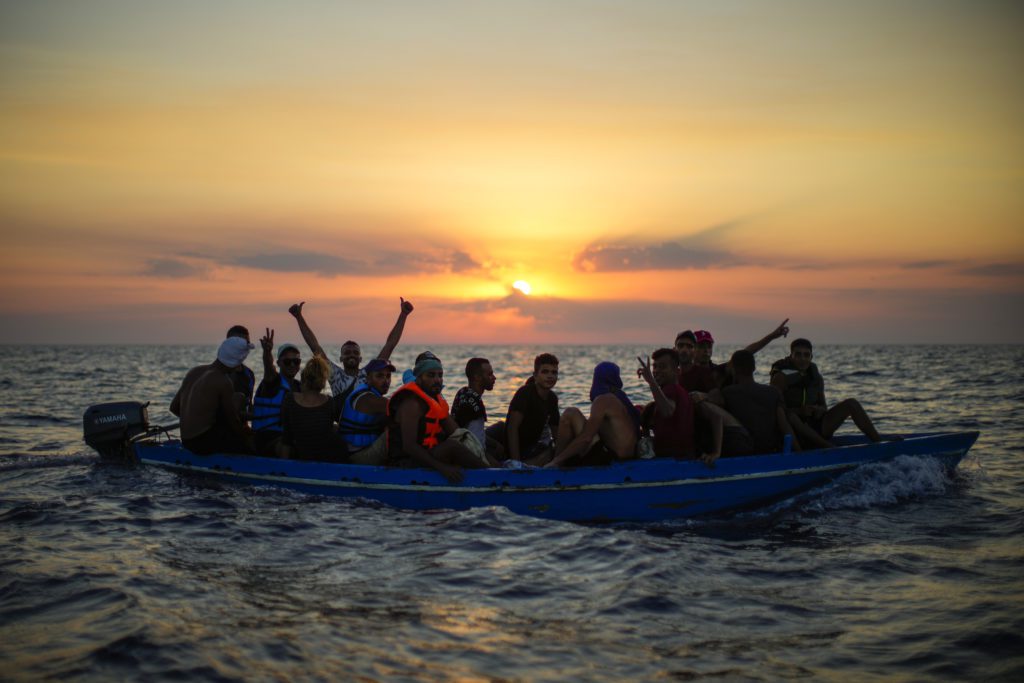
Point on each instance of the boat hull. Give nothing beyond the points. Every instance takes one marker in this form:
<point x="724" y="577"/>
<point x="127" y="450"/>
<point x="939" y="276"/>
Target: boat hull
<point x="635" y="491"/>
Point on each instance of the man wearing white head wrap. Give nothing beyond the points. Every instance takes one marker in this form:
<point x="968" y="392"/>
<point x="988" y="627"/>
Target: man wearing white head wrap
<point x="233" y="351"/>
<point x="210" y="408"/>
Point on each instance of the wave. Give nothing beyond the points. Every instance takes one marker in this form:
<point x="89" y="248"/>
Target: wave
<point x="27" y="461"/>
<point x="37" y="418"/>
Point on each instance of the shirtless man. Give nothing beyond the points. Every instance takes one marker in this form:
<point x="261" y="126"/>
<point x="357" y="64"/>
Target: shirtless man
<point x="609" y="434"/>
<point x="758" y="407"/>
<point x="208" y="405"/>
<point x="803" y="390"/>
<point x="346" y="376"/>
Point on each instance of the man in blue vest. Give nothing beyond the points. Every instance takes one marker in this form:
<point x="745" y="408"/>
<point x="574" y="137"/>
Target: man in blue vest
<point x="266" y="420"/>
<point x="364" y="415"/>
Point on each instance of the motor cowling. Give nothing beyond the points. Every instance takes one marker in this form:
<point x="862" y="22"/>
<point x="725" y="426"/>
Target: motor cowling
<point x="109" y="428"/>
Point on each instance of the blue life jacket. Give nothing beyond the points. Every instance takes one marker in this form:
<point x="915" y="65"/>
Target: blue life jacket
<point x="266" y="411"/>
<point x="358" y="429"/>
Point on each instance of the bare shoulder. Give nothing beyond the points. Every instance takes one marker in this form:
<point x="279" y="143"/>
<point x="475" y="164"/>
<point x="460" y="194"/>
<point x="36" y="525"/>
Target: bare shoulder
<point x="607" y="404"/>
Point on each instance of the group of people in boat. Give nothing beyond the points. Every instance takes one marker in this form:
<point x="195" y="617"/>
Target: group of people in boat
<point x="697" y="408"/>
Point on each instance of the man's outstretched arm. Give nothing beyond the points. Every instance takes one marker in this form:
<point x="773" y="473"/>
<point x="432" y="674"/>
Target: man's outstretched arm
<point x="396" y="332"/>
<point x="781" y="331"/>
<point x="307" y="333"/>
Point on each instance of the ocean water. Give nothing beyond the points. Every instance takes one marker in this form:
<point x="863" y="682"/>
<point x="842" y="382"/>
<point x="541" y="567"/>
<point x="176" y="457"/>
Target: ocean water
<point x="894" y="572"/>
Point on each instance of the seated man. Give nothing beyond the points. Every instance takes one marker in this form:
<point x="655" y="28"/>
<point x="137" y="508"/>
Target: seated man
<point x="803" y="390"/>
<point x="609" y="434"/>
<point x="344" y="377"/>
<point x="692" y="377"/>
<point x="208" y="406"/>
<point x="266" y="411"/>
<point x="364" y="415"/>
<point x="419" y="424"/>
<point x="468" y="406"/>
<point x="672" y="413"/>
<point x="758" y="407"/>
<point x="243" y="378"/>
<point x="528" y="430"/>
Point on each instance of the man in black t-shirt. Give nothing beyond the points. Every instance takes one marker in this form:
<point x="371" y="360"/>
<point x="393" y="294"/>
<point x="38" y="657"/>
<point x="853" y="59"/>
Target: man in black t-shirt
<point x="532" y="421"/>
<point x="468" y="408"/>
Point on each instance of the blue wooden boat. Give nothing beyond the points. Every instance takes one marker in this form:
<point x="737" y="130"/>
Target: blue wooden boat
<point x="634" y="491"/>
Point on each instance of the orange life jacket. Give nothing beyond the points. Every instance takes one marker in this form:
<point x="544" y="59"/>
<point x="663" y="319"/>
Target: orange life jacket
<point x="429" y="428"/>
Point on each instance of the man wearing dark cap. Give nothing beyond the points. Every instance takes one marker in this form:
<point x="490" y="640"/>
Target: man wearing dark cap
<point x="364" y="415"/>
<point x="266" y="410"/>
<point x="419" y="424"/>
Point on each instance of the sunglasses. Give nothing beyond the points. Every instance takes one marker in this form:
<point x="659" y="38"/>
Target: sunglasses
<point x="802" y="354"/>
<point x="290" y="361"/>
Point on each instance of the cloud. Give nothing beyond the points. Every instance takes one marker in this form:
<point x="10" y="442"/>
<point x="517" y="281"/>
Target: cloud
<point x="928" y="265"/>
<point x="696" y="251"/>
<point x="173" y="268"/>
<point x="664" y="256"/>
<point x="298" y="262"/>
<point x="996" y="270"/>
<point x="461" y="262"/>
<point x="376" y="263"/>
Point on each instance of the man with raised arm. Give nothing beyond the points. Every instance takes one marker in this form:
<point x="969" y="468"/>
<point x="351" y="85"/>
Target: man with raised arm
<point x="671" y="416"/>
<point x="419" y="424"/>
<point x="344" y="377"/>
<point x="803" y="390"/>
<point x="266" y="410"/>
<point x="706" y="345"/>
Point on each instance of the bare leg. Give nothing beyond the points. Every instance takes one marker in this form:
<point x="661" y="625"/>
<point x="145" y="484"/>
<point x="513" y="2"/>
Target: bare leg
<point x="454" y="453"/>
<point x="838" y="413"/>
<point x="569" y="427"/>
<point x="807" y="436"/>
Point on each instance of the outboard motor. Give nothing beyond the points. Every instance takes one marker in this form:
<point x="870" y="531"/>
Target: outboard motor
<point x="110" y="427"/>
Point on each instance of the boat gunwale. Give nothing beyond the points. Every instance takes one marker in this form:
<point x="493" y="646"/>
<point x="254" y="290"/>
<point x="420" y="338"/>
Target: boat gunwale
<point x="739" y="469"/>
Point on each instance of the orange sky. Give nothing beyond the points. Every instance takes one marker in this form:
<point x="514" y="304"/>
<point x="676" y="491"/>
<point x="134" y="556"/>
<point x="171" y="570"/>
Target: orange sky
<point x="646" y="166"/>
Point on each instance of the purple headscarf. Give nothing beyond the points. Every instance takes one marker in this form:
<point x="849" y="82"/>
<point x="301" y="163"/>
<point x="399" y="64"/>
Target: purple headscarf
<point x="608" y="380"/>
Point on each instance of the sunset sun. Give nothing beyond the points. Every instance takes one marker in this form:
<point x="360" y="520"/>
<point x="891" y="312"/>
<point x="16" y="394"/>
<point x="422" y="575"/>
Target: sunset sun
<point x="523" y="286"/>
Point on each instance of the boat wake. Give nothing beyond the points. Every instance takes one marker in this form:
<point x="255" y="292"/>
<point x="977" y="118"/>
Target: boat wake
<point x="876" y="484"/>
